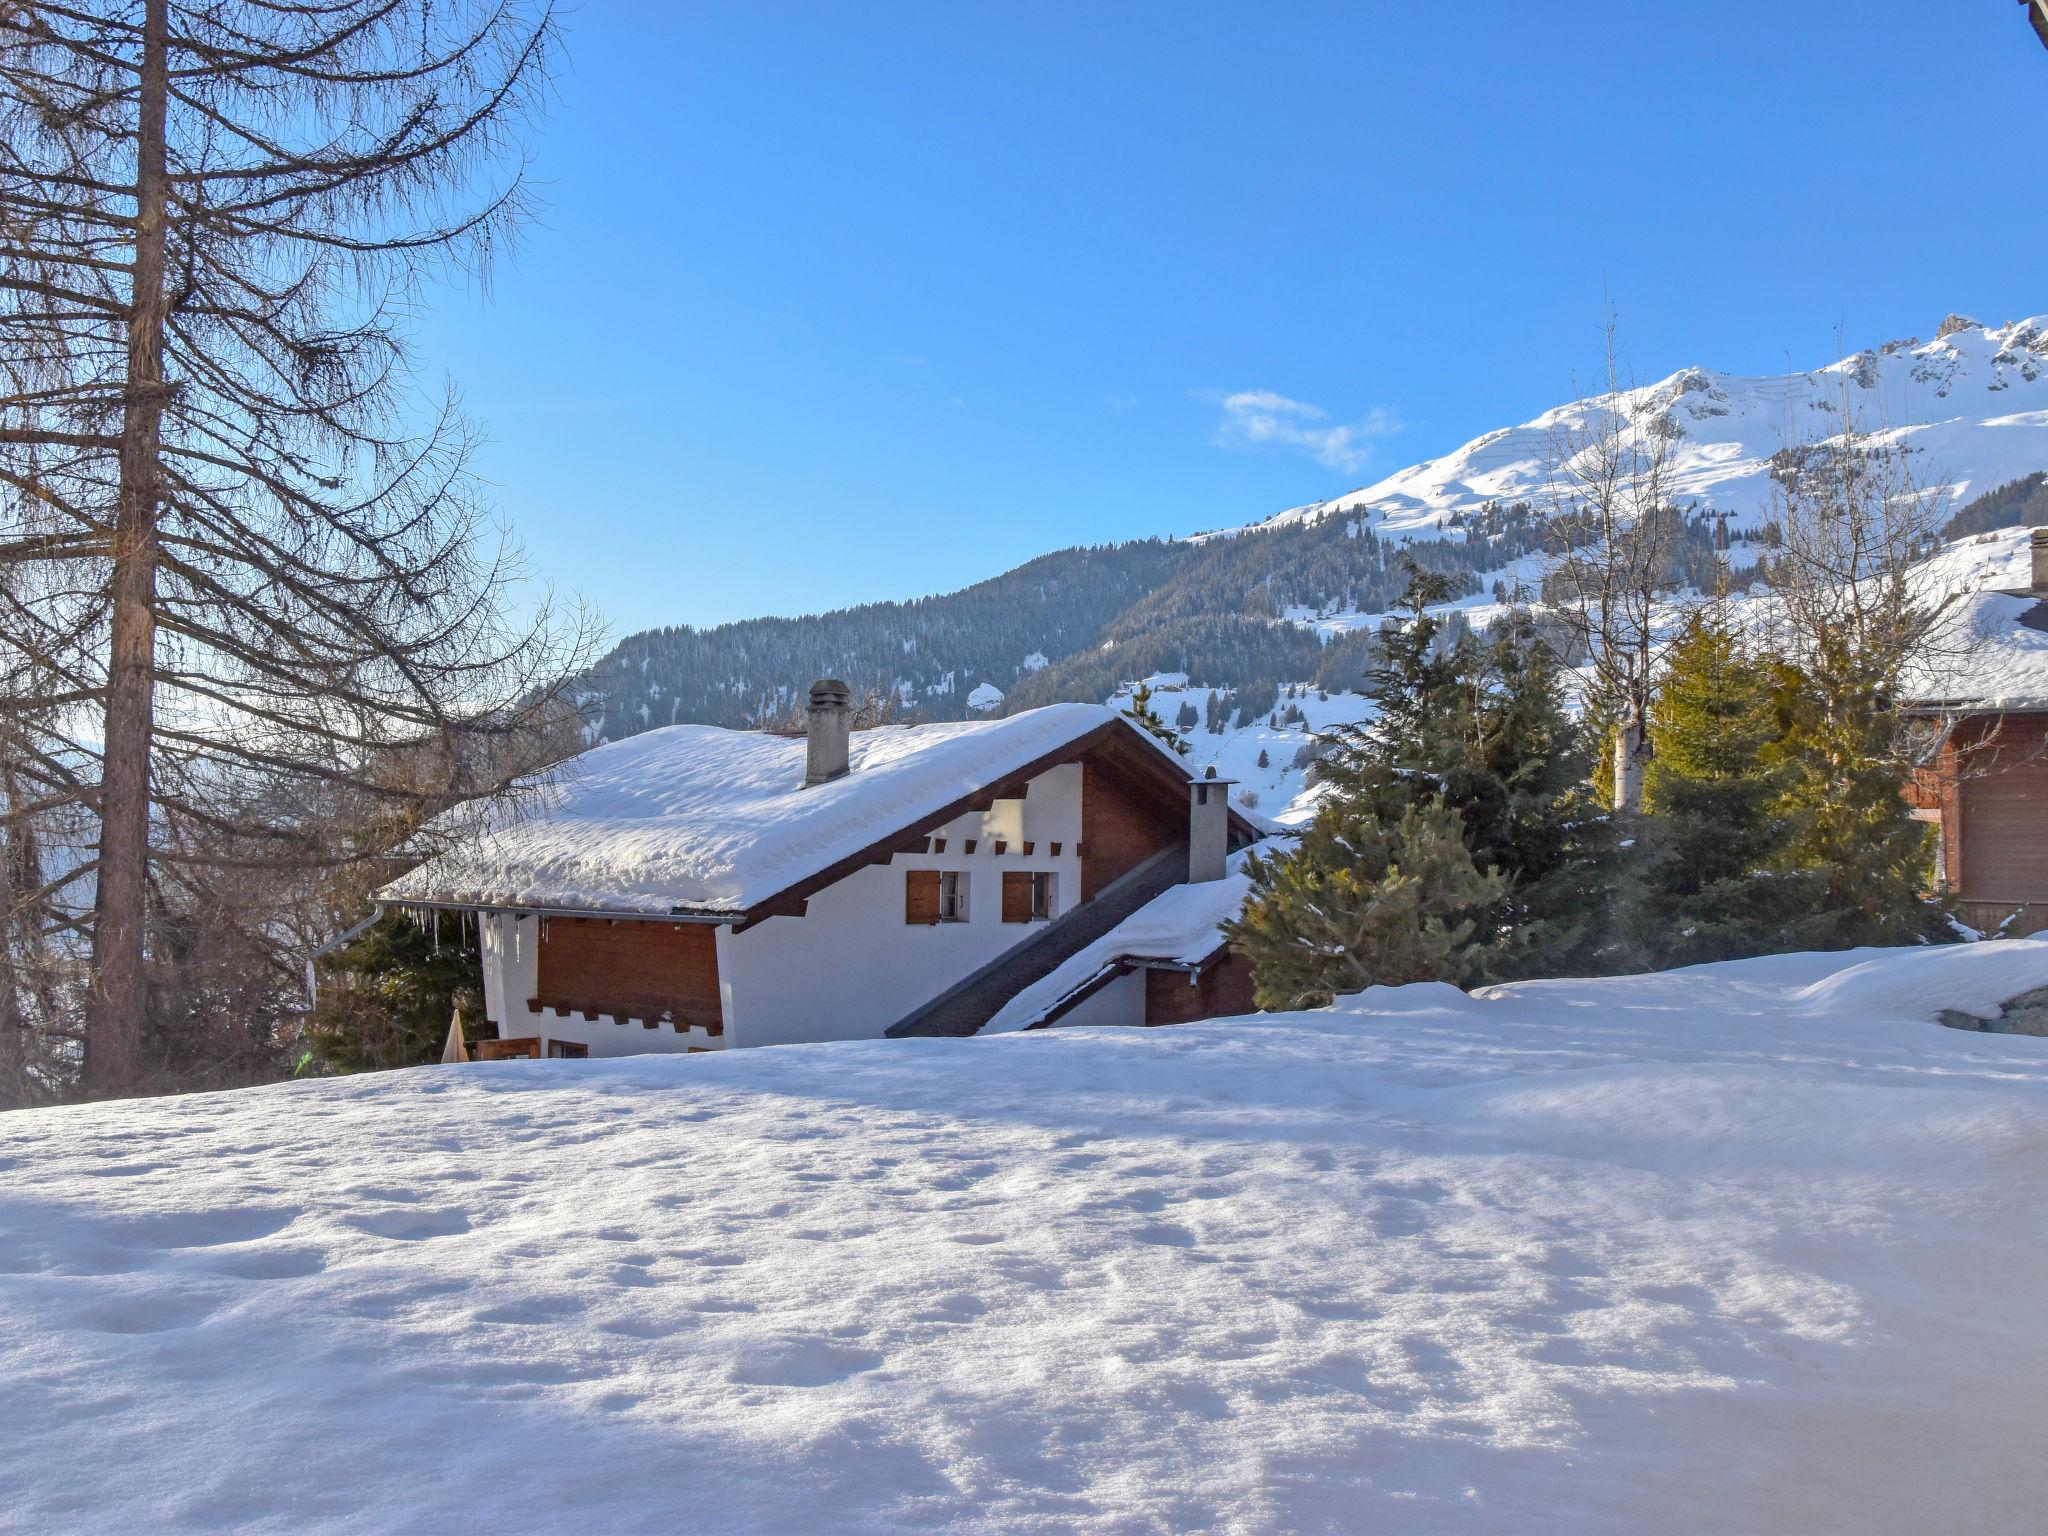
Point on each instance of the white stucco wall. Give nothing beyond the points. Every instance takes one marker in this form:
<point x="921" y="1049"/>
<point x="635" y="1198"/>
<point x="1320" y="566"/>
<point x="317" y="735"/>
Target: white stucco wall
<point x="851" y="966"/>
<point x="511" y="969"/>
<point x="1120" y="1002"/>
<point x="510" y="945"/>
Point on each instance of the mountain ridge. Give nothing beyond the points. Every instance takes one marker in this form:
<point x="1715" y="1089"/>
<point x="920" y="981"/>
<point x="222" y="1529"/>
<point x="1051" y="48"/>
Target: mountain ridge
<point x="1969" y="410"/>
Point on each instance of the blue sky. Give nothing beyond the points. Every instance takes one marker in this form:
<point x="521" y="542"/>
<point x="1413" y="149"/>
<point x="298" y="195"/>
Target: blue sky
<point x="835" y="302"/>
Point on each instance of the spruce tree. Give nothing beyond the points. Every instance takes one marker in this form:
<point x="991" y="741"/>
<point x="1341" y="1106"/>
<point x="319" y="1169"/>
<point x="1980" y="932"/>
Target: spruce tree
<point x="1363" y="902"/>
<point x="1146" y="718"/>
<point x="1716" y="878"/>
<point x="387" y="996"/>
<point x="1531" y="813"/>
<point x="1845" y="798"/>
<point x="1467" y="735"/>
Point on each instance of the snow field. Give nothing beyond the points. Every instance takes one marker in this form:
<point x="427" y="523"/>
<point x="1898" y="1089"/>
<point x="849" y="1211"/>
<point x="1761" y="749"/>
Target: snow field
<point x="1749" y="1247"/>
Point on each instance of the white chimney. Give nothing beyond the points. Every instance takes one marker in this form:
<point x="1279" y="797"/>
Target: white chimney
<point x="1208" y="827"/>
<point x="825" y="745"/>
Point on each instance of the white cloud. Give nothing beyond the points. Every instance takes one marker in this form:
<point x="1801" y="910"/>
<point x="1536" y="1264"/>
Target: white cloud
<point x="1259" y="418"/>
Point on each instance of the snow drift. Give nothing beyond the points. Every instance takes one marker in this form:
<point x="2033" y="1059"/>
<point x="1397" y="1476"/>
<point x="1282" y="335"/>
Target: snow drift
<point x="1748" y="1247"/>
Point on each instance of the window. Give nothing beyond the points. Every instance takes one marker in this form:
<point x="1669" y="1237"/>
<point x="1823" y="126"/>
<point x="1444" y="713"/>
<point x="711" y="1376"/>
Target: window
<point x="952" y="896"/>
<point x="1029" y="896"/>
<point x="934" y="896"/>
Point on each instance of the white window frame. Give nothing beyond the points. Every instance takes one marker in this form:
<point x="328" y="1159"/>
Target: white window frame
<point x="953" y="895"/>
<point x="1048" y="881"/>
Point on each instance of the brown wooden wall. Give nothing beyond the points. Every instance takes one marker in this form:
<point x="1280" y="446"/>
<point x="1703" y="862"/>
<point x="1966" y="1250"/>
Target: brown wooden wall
<point x="1121" y="829"/>
<point x="1996" y="824"/>
<point x="631" y="969"/>
<point x="1224" y="989"/>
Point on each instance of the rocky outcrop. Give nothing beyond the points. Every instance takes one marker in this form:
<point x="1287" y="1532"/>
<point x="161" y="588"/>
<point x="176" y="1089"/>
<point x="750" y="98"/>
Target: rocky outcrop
<point x="2026" y="1014"/>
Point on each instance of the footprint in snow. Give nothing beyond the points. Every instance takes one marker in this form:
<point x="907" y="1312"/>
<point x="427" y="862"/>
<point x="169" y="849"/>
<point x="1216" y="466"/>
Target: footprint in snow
<point x="409" y="1226"/>
<point x="270" y="1263"/>
<point x="801" y="1363"/>
<point x="200" y="1229"/>
<point x="156" y="1313"/>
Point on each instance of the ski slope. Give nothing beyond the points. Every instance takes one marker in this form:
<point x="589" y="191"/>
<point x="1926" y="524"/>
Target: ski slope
<point x="1749" y="1248"/>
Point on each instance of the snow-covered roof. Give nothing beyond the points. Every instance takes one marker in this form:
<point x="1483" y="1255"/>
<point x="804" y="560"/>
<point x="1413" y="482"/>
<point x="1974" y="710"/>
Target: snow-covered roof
<point x="1180" y="926"/>
<point x="700" y="818"/>
<point x="1983" y="657"/>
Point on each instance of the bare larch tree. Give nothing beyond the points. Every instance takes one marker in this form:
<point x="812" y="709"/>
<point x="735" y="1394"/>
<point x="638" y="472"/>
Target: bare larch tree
<point x="242" y="555"/>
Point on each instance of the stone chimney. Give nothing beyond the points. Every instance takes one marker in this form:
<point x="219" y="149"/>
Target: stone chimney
<point x="825" y="749"/>
<point x="1208" y="827"/>
<point x="2039" y="544"/>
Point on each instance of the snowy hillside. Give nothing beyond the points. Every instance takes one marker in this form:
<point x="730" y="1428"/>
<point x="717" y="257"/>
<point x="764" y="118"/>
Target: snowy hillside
<point x="1970" y="406"/>
<point x="1750" y="1248"/>
<point x="1983" y="653"/>
<point x="1276" y="791"/>
<point x="1073" y="625"/>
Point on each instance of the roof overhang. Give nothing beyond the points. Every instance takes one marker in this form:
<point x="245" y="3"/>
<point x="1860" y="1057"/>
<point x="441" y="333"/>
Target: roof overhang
<point x="1117" y="744"/>
<point x="2037" y="13"/>
<point x="1937" y="709"/>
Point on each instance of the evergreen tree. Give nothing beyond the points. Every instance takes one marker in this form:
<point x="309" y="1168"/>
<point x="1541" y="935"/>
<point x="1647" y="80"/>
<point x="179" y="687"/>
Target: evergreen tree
<point x="1147" y="719"/>
<point x="1715" y="878"/>
<point x="389" y="993"/>
<point x="1363" y="902"/>
<point x="1264" y="760"/>
<point x="1845" y="797"/>
<point x="1530" y="812"/>
<point x="1467" y="735"/>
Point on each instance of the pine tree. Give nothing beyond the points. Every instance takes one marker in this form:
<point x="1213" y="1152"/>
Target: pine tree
<point x="1845" y="797"/>
<point x="1362" y="902"/>
<point x="388" y="995"/>
<point x="1264" y="760"/>
<point x="1147" y="719"/>
<point x="1715" y="877"/>
<point x="1469" y="736"/>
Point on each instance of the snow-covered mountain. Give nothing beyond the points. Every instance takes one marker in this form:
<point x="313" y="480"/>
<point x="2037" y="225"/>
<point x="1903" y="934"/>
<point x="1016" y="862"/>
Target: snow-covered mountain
<point x="1971" y="407"/>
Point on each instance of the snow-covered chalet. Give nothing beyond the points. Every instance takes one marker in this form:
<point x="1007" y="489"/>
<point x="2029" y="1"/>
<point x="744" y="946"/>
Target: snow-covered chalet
<point x="696" y="888"/>
<point x="1986" y="786"/>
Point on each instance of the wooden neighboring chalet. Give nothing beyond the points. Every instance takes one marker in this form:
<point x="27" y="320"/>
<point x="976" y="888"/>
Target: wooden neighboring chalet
<point x="695" y="888"/>
<point x="1987" y="786"/>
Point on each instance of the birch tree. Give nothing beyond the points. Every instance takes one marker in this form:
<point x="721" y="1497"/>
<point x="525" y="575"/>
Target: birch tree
<point x="1616" y="534"/>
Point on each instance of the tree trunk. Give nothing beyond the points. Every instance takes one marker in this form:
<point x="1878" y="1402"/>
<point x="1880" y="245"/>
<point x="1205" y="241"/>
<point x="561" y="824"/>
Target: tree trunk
<point x="13" y="1017"/>
<point x="1631" y="755"/>
<point x="116" y="1007"/>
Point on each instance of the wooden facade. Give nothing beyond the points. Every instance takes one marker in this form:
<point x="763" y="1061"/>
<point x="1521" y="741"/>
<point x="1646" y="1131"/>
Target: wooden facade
<point x="1220" y="989"/>
<point x="1121" y="827"/>
<point x="631" y="970"/>
<point x="1988" y="789"/>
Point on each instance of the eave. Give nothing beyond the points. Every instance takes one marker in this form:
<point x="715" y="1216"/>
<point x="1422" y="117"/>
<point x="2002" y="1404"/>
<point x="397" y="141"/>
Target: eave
<point x="1116" y="742"/>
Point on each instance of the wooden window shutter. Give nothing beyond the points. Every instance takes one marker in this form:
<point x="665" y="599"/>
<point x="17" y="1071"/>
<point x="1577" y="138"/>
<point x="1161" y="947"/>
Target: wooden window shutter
<point x="1016" y="896"/>
<point x="920" y="896"/>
